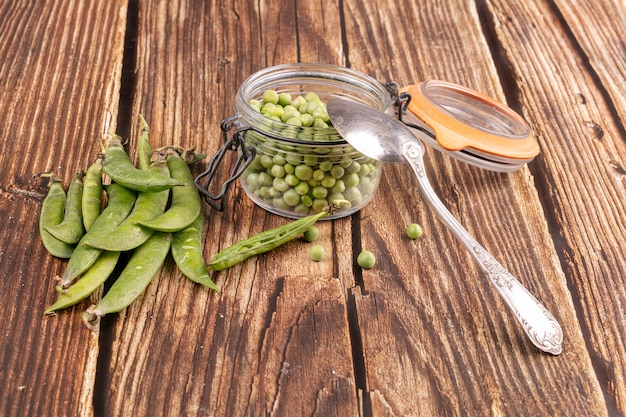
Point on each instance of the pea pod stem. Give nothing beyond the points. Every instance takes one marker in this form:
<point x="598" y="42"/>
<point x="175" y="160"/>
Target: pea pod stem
<point x="267" y="240"/>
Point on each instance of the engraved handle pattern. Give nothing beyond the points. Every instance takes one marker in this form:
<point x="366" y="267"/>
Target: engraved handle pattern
<point x="539" y="324"/>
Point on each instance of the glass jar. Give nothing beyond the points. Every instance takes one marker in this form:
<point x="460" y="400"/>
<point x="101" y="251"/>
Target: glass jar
<point x="300" y="167"/>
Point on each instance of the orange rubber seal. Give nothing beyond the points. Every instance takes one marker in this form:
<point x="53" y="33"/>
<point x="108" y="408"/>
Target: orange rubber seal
<point x="454" y="134"/>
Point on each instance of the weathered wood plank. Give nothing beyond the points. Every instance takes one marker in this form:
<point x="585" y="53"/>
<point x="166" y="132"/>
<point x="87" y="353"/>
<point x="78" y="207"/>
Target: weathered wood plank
<point x="579" y="111"/>
<point x="250" y="348"/>
<point x="59" y="86"/>
<point x="442" y="313"/>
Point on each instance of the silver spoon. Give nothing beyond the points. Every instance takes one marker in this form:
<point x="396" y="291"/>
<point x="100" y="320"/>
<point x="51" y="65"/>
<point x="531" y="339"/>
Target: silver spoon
<point x="381" y="137"/>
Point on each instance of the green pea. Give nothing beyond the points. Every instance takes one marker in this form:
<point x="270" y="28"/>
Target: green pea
<point x="302" y="188"/>
<point x="366" y="259"/>
<point x="337" y="171"/>
<point x="71" y="229"/>
<point x="311" y="96"/>
<point x="414" y="231"/>
<point x="187" y="253"/>
<point x="279" y="159"/>
<point x="266" y="161"/>
<point x="265" y="178"/>
<point x="294" y="121"/>
<point x="304" y="172"/>
<point x="52" y="210"/>
<point x="319" y="192"/>
<point x="306" y="120"/>
<point x="142" y="266"/>
<point x="280" y="184"/>
<point x="256" y="104"/>
<point x="351" y="179"/>
<point x="339" y="187"/>
<point x="291" y="197"/>
<point x="277" y="171"/>
<point x="353" y="195"/>
<point x="91" y="200"/>
<point x="284" y="99"/>
<point x="93" y="278"/>
<point x="319" y="204"/>
<point x="185" y="203"/>
<point x="329" y="182"/>
<point x="298" y="101"/>
<point x="316" y="253"/>
<point x="311" y="234"/>
<point x="354" y="167"/>
<point x="120" y="204"/>
<point x="270" y="96"/>
<point x="291" y="180"/>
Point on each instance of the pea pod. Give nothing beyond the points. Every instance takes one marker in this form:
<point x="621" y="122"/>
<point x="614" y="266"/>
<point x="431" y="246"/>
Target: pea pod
<point x="129" y="235"/>
<point x="263" y="242"/>
<point x="52" y="210"/>
<point x="185" y="205"/>
<point x="92" y="193"/>
<point x="119" y="166"/>
<point x="88" y="283"/>
<point x="142" y="266"/>
<point x="121" y="201"/>
<point x="71" y="229"/>
<point x="187" y="253"/>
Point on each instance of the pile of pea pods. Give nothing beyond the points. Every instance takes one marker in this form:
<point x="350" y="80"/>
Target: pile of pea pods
<point x="149" y="212"/>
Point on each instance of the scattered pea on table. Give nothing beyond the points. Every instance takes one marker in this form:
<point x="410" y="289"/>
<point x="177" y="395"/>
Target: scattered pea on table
<point x="366" y="259"/>
<point x="414" y="231"/>
<point x="317" y="253"/>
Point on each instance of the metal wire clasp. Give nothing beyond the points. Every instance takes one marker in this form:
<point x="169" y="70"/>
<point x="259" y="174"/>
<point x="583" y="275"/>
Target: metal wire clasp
<point x="401" y="102"/>
<point x="204" y="181"/>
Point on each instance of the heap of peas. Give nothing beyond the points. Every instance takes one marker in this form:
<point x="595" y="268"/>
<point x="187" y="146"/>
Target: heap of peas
<point x="302" y="177"/>
<point x="150" y="211"/>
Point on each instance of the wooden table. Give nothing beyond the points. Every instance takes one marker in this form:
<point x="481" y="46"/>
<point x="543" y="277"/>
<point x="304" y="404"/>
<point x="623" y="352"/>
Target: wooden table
<point x="421" y="334"/>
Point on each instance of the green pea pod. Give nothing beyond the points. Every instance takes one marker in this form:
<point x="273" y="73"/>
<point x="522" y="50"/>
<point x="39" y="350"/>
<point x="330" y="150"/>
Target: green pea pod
<point x="185" y="205"/>
<point x="263" y="242"/>
<point x="71" y="229"/>
<point x="187" y="253"/>
<point x="119" y="166"/>
<point x="92" y="194"/>
<point x="52" y="210"/>
<point x="129" y="234"/>
<point x="142" y="266"/>
<point x="144" y="148"/>
<point x="88" y="283"/>
<point x="121" y="201"/>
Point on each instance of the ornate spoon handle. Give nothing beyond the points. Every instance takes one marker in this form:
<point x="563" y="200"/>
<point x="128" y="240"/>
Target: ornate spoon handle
<point x="538" y="323"/>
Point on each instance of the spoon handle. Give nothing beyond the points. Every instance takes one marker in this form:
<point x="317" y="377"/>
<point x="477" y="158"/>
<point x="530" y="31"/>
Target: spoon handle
<point x="539" y="324"/>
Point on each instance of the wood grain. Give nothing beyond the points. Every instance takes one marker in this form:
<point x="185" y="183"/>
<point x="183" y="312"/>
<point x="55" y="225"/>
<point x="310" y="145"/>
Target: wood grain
<point x="60" y="91"/>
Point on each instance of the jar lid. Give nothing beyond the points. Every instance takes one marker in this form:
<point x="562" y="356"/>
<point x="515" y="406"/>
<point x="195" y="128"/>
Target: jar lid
<point x="471" y="126"/>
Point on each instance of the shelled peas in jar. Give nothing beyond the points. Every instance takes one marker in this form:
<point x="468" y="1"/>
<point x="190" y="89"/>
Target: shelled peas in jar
<point x="302" y="176"/>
